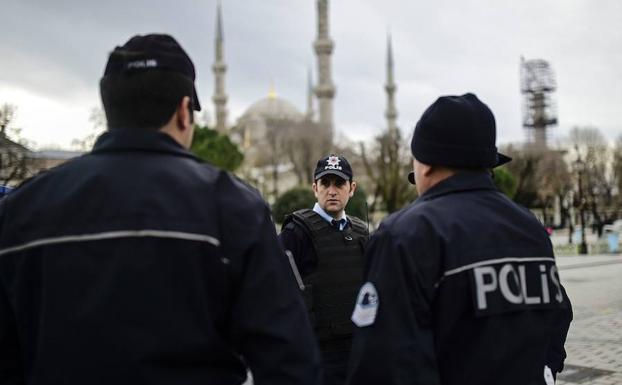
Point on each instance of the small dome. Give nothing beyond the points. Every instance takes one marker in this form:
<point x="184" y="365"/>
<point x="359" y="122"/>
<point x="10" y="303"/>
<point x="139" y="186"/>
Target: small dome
<point x="272" y="107"/>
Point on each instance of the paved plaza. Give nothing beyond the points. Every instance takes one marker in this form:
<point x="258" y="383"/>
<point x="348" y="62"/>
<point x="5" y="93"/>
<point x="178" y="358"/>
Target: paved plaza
<point x="594" y="345"/>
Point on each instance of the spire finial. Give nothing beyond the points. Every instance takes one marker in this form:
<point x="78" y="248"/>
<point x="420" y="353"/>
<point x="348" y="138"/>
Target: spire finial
<point x="389" y="57"/>
<point x="390" y="88"/>
<point x="272" y="92"/>
<point x="325" y="89"/>
<point x="219" y="68"/>
<point x="219" y="33"/>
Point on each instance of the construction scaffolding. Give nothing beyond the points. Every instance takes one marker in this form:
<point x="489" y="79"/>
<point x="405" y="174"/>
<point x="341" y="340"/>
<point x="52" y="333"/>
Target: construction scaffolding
<point x="537" y="84"/>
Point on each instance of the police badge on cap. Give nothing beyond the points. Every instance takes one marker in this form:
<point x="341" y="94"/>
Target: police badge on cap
<point x="333" y="164"/>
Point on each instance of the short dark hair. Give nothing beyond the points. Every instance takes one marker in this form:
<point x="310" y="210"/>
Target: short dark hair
<point x="147" y="100"/>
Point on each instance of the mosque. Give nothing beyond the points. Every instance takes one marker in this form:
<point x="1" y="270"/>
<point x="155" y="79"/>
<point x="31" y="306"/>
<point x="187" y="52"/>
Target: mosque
<point x="281" y="144"/>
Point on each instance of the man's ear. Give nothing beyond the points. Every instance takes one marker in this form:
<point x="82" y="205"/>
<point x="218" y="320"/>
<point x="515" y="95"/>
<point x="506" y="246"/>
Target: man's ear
<point x="314" y="188"/>
<point x="427" y="169"/>
<point x="184" y="119"/>
<point x="352" y="188"/>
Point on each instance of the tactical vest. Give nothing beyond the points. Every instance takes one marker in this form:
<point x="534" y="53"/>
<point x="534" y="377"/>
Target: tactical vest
<point x="330" y="291"/>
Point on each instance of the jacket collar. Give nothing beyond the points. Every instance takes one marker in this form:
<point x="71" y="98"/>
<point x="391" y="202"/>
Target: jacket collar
<point x="139" y="140"/>
<point x="461" y="181"/>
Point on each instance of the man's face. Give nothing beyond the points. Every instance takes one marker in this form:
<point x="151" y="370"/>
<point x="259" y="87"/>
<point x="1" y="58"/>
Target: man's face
<point x="332" y="193"/>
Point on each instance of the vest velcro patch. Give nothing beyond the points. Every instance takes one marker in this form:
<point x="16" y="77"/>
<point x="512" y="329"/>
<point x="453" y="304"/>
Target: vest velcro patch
<point x="515" y="286"/>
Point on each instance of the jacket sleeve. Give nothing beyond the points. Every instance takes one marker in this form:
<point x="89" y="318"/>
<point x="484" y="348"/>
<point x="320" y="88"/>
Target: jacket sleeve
<point x="270" y="325"/>
<point x="10" y="364"/>
<point x="398" y="347"/>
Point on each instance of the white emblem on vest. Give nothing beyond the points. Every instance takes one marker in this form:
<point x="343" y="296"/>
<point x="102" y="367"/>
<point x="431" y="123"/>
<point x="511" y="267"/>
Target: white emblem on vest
<point x="548" y="376"/>
<point x="366" y="306"/>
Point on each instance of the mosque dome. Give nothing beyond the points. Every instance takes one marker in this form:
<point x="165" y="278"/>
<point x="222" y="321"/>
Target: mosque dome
<point x="272" y="108"/>
<point x="254" y="127"/>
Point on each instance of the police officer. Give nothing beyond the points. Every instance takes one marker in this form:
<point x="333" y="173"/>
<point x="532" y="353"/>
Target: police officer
<point x="462" y="286"/>
<point x="327" y="248"/>
<point x="139" y="264"/>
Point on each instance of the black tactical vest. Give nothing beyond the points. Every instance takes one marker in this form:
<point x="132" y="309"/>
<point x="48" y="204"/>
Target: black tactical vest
<point x="330" y="291"/>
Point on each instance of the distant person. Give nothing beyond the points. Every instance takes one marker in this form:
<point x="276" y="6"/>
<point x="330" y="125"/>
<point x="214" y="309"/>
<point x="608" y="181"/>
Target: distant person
<point x="327" y="248"/>
<point x="462" y="286"/>
<point x="549" y="230"/>
<point x="139" y="264"/>
<point x="4" y="190"/>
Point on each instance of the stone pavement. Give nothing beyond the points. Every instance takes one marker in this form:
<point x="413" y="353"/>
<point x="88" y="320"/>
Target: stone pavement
<point x="594" y="344"/>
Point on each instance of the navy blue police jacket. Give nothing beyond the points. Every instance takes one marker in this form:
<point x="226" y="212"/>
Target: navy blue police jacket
<point x="462" y="288"/>
<point x="139" y="264"/>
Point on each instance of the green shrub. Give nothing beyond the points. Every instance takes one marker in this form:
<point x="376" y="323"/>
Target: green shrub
<point x="294" y="199"/>
<point x="357" y="205"/>
<point x="216" y="149"/>
<point x="505" y="181"/>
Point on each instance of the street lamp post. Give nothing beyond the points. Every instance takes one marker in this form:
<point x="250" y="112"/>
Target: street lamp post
<point x="580" y="166"/>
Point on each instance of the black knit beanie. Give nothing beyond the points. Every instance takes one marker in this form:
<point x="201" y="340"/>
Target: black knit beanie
<point x="457" y="131"/>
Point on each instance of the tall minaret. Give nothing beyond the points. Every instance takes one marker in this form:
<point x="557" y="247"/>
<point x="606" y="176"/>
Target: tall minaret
<point x="325" y="89"/>
<point x="310" y="111"/>
<point x="219" y="68"/>
<point x="390" y="87"/>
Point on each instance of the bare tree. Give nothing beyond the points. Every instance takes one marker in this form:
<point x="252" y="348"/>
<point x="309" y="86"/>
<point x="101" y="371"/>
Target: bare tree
<point x="598" y="176"/>
<point x="97" y="118"/>
<point x="303" y="147"/>
<point x="524" y="166"/>
<point x="543" y="179"/>
<point x="273" y="151"/>
<point x="14" y="156"/>
<point x="387" y="164"/>
<point x="555" y="185"/>
<point x="7" y="112"/>
<point x="617" y="169"/>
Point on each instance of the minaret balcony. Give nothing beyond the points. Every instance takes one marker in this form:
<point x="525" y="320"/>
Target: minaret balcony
<point x="220" y="99"/>
<point x="324" y="91"/>
<point x="219" y="67"/>
<point x="323" y="46"/>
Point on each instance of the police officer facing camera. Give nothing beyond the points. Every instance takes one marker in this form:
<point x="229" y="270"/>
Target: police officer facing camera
<point x="139" y="264"/>
<point x="327" y="248"/>
<point x="462" y="286"/>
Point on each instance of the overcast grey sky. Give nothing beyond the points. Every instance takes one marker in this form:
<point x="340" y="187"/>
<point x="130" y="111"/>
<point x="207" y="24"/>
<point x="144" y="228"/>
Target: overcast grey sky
<point x="54" y="52"/>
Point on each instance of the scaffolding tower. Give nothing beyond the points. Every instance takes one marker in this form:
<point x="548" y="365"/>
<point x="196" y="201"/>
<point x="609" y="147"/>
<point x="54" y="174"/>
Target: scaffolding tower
<point x="539" y="110"/>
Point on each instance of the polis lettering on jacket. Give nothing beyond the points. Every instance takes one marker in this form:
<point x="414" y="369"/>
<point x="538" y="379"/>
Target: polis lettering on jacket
<point x="515" y="286"/>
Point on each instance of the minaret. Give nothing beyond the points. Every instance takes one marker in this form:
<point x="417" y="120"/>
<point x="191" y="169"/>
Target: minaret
<point x="310" y="111"/>
<point x="219" y="68"/>
<point x="390" y="87"/>
<point x="325" y="89"/>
